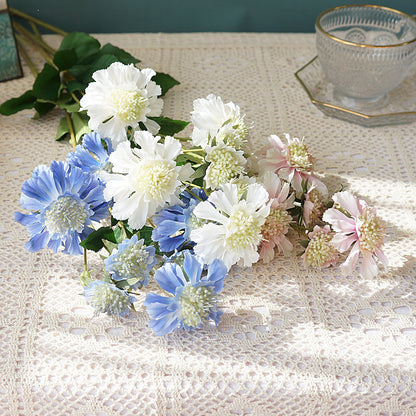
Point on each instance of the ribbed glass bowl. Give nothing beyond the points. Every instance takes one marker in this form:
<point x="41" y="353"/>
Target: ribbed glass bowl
<point x="365" y="51"/>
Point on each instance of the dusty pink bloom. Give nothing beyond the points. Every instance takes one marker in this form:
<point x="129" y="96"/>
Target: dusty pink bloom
<point x="277" y="222"/>
<point x="313" y="208"/>
<point x="320" y="252"/>
<point x="292" y="162"/>
<point x="357" y="226"/>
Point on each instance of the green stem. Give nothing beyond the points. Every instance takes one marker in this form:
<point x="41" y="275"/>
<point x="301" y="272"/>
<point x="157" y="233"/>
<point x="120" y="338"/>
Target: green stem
<point x="29" y="42"/>
<point x="193" y="150"/>
<point x="192" y="185"/>
<point x="26" y="33"/>
<point x="30" y="18"/>
<point x="26" y="57"/>
<point x="73" y="140"/>
<point x="85" y="260"/>
<point x="35" y="30"/>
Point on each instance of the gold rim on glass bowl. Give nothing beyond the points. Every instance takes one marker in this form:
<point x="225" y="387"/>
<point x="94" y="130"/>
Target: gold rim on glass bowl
<point x="319" y="27"/>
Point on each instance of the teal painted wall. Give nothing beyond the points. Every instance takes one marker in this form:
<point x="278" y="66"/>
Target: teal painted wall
<point x="103" y="16"/>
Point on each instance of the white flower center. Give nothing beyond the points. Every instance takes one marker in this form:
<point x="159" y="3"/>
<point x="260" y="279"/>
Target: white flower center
<point x="65" y="215"/>
<point x="234" y="133"/>
<point x="299" y="157"/>
<point x="132" y="263"/>
<point x="225" y="165"/>
<point x="129" y="105"/>
<point x="156" y="179"/>
<point x="371" y="231"/>
<point x="196" y="303"/>
<point x="319" y="251"/>
<point x="276" y="224"/>
<point x="243" y="230"/>
<point x="106" y="299"/>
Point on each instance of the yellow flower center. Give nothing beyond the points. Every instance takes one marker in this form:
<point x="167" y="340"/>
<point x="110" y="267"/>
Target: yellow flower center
<point x="130" y="105"/>
<point x="277" y="223"/>
<point x="242" y="231"/>
<point x="65" y="215"/>
<point x="319" y="251"/>
<point x="299" y="157"/>
<point x="371" y="231"/>
<point x="156" y="179"/>
<point x="225" y="165"/>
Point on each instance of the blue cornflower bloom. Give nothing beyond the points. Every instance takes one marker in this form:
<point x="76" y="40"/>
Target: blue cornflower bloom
<point x="131" y="261"/>
<point x="194" y="287"/>
<point x="91" y="156"/>
<point x="105" y="297"/>
<point x="174" y="224"/>
<point x="63" y="200"/>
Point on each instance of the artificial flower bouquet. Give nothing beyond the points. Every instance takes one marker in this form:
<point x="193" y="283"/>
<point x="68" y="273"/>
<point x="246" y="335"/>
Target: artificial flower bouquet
<point x="184" y="210"/>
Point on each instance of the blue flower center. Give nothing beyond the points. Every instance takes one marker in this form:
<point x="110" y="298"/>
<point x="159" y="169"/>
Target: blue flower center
<point x="65" y="215"/>
<point x="196" y="303"/>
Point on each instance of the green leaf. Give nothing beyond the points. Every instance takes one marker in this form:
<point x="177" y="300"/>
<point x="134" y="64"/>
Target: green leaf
<point x="47" y="83"/>
<point x="80" y="123"/>
<point x="123" y="56"/>
<point x="146" y="234"/>
<point x="165" y="81"/>
<point x="76" y="86"/>
<point x="14" y="105"/>
<point x="66" y="102"/>
<point x="42" y="108"/>
<point x="200" y="172"/>
<point x="84" y="72"/>
<point x="63" y="129"/>
<point x="94" y="241"/>
<point x="65" y="58"/>
<point x="84" y="45"/>
<point x="168" y="126"/>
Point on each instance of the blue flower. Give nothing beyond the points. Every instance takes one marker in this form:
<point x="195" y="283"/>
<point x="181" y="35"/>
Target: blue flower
<point x="91" y="156"/>
<point x="131" y="261"/>
<point x="107" y="298"/>
<point x="174" y="224"/>
<point x="194" y="287"/>
<point x="63" y="200"/>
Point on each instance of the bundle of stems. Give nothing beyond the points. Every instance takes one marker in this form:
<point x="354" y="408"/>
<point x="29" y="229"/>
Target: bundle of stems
<point x="32" y="38"/>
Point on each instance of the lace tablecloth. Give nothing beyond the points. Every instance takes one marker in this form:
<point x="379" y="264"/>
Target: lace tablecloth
<point x="292" y="341"/>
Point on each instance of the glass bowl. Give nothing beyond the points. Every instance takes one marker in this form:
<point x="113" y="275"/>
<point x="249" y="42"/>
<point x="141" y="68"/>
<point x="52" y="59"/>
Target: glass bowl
<point x="365" y="51"/>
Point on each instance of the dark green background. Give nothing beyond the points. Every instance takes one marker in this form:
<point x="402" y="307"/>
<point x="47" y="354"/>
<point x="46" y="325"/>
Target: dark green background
<point x="186" y="15"/>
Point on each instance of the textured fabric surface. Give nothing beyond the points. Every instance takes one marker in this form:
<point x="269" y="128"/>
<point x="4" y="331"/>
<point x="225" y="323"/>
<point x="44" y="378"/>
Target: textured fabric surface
<point x="292" y="341"/>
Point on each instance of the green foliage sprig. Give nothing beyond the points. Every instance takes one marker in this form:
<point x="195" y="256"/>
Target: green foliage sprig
<point x="65" y="75"/>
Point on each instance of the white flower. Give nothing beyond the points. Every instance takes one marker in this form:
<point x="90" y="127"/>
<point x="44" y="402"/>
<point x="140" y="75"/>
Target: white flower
<point x="225" y="163"/>
<point x="121" y="97"/>
<point x="212" y="119"/>
<point x="145" y="179"/>
<point x="235" y="230"/>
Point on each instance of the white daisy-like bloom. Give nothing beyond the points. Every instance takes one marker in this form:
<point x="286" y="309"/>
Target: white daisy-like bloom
<point x="225" y="163"/>
<point x="122" y="96"/>
<point x="234" y="230"/>
<point x="144" y="180"/>
<point x="212" y="119"/>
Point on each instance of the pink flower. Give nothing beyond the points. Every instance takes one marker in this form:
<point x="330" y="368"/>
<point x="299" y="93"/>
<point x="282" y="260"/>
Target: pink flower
<point x="357" y="226"/>
<point x="320" y="252"/>
<point x="277" y="222"/>
<point x="292" y="162"/>
<point x="313" y="208"/>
